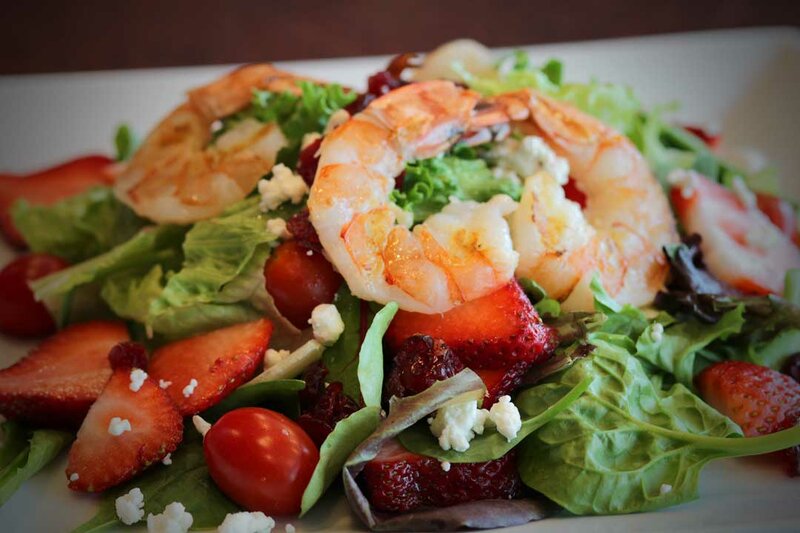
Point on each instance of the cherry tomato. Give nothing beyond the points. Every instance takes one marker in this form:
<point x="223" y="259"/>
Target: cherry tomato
<point x="299" y="279"/>
<point x="260" y="459"/>
<point x="20" y="314"/>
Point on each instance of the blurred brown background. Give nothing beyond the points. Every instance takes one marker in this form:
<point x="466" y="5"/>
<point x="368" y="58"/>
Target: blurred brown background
<point x="55" y="36"/>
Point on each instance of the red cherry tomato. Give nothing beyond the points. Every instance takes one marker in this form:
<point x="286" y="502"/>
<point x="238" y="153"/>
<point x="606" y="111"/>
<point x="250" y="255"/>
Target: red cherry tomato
<point x="20" y="314"/>
<point x="260" y="459"/>
<point x="299" y="279"/>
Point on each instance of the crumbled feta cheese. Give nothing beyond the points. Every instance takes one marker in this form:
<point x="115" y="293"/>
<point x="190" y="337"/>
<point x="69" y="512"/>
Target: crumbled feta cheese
<point x="309" y="139"/>
<point x="289" y="528"/>
<point x="74" y="477"/>
<point x="657" y="332"/>
<point x="138" y="377"/>
<point x="284" y="186"/>
<point x="528" y="156"/>
<point x="403" y="217"/>
<point x="338" y="118"/>
<point x="665" y="489"/>
<point x="163" y="383"/>
<point x="245" y="522"/>
<point x="309" y="253"/>
<point x="167" y="460"/>
<point x="445" y="465"/>
<point x="200" y="425"/>
<point x="174" y="519"/>
<point x="326" y="323"/>
<point x="117" y="426"/>
<point x="130" y="506"/>
<point x="277" y="226"/>
<point x="188" y="390"/>
<point x="273" y="357"/>
<point x="747" y="197"/>
<point x="505" y="415"/>
<point x="456" y="425"/>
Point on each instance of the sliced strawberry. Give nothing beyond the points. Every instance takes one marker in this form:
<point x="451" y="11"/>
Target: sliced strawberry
<point x="218" y="361"/>
<point x="49" y="186"/>
<point x="60" y="379"/>
<point x="20" y="314"/>
<point x="400" y="481"/>
<point x="100" y="459"/>
<point x="781" y="214"/>
<point x="501" y="382"/>
<point x="496" y="331"/>
<point x="740" y="246"/>
<point x="759" y="399"/>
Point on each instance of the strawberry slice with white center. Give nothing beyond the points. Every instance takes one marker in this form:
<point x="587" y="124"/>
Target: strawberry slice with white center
<point x="741" y="246"/>
<point x="107" y="453"/>
<point x="59" y="380"/>
<point x="205" y="369"/>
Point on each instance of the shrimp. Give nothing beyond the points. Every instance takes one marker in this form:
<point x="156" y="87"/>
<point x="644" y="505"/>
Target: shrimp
<point x="179" y="176"/>
<point x="624" y="226"/>
<point x="457" y="255"/>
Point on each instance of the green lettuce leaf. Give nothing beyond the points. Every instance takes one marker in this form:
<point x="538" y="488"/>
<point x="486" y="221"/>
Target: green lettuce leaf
<point x="341" y="359"/>
<point x="76" y="228"/>
<point x="125" y="142"/>
<point x="129" y="294"/>
<point x="370" y="356"/>
<point x="23" y="453"/>
<point x="429" y="183"/>
<point x="625" y="445"/>
<point x="296" y="115"/>
<point x="186" y="481"/>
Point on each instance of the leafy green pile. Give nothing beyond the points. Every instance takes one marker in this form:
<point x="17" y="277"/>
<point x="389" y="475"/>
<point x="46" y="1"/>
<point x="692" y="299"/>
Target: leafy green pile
<point x="428" y="184"/>
<point x="296" y="115"/>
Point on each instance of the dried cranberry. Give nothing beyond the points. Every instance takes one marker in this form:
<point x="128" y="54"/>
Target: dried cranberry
<point x="420" y="362"/>
<point x="792" y="367"/>
<point x="572" y="192"/>
<point x="403" y="61"/>
<point x="322" y="406"/>
<point x="400" y="180"/>
<point x="308" y="161"/>
<point x="128" y="355"/>
<point x="303" y="231"/>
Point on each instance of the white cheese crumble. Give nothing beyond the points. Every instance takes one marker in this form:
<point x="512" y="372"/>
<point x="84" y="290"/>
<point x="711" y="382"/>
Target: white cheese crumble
<point x="188" y="390"/>
<point x="138" y="377"/>
<point x="456" y="425"/>
<point x="528" y="156"/>
<point x="289" y="528"/>
<point x="284" y="186"/>
<point x="338" y="118"/>
<point x="445" y="465"/>
<point x="74" y="477"/>
<point x="200" y="425"/>
<point x="273" y="357"/>
<point x="505" y="416"/>
<point x="163" y="383"/>
<point x="326" y="324"/>
<point x="277" y="226"/>
<point x="117" y="426"/>
<point x="167" y="460"/>
<point x="744" y="194"/>
<point x="665" y="489"/>
<point x="309" y="253"/>
<point x="130" y="506"/>
<point x="683" y="180"/>
<point x="245" y="522"/>
<point x="174" y="519"/>
<point x="657" y="332"/>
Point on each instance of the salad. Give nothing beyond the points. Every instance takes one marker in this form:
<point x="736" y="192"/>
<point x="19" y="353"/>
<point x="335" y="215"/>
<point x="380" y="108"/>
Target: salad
<point x="474" y="295"/>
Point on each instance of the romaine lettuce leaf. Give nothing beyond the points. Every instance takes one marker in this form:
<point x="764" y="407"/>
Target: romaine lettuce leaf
<point x="77" y="228"/>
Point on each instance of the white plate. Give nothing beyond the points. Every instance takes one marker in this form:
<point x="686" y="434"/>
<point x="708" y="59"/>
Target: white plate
<point x="745" y="82"/>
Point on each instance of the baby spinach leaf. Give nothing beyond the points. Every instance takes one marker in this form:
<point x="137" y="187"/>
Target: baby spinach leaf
<point x="25" y="453"/>
<point x="341" y="359"/>
<point x="186" y="481"/>
<point x="280" y="395"/>
<point x="492" y="445"/>
<point x="674" y="351"/>
<point x="370" y="357"/>
<point x="344" y="438"/>
<point x="625" y="445"/>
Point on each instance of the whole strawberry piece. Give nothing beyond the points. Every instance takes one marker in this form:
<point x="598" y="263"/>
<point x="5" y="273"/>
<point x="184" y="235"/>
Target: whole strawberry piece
<point x="131" y="425"/>
<point x="200" y="371"/>
<point x="757" y="398"/>
<point x="400" y="481"/>
<point x="60" y="379"/>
